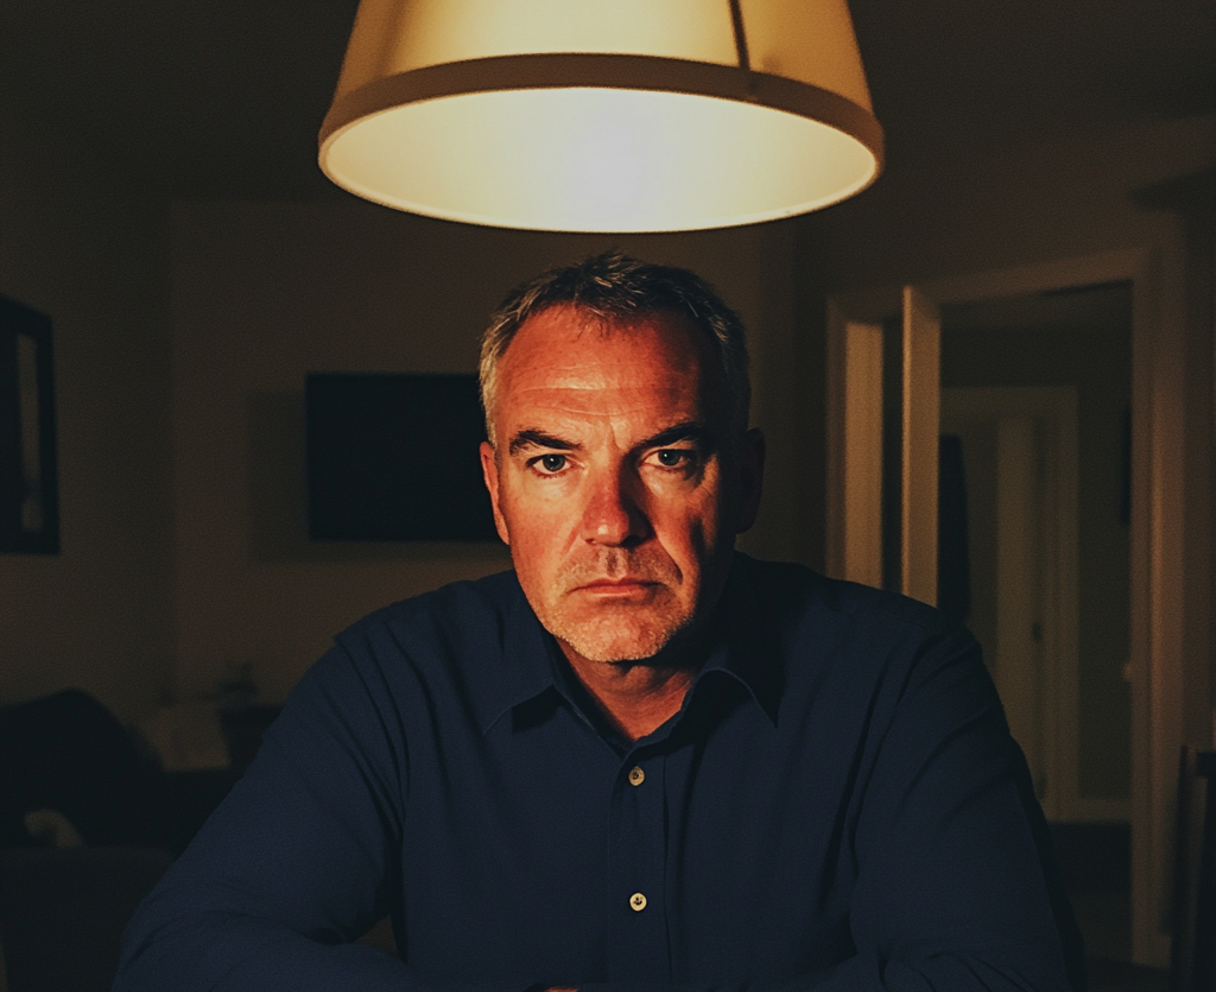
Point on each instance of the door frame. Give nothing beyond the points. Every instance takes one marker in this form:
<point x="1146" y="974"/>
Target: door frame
<point x="855" y="425"/>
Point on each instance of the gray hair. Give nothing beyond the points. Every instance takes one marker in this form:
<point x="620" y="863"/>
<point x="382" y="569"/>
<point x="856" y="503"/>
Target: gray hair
<point x="614" y="288"/>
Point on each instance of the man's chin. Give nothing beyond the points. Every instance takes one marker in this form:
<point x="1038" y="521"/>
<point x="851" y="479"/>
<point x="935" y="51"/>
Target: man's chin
<point x="615" y="638"/>
<point x="616" y="650"/>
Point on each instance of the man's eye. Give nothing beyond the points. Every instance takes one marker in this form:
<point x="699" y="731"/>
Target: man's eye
<point x="552" y="463"/>
<point x="673" y="457"/>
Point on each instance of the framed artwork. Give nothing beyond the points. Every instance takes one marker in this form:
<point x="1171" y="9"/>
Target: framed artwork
<point x="29" y="485"/>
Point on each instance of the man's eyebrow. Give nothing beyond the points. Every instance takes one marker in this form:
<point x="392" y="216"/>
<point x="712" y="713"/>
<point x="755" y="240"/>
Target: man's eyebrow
<point x="538" y="439"/>
<point x="693" y="431"/>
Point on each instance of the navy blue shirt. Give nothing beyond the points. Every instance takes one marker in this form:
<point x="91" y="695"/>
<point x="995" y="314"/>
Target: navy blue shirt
<point x="838" y="805"/>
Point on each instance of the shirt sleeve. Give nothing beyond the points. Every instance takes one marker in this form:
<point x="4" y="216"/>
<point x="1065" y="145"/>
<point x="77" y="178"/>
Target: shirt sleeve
<point x="297" y="862"/>
<point x="957" y="886"/>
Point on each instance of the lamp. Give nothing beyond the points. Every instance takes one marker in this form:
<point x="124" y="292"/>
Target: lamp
<point x="602" y="115"/>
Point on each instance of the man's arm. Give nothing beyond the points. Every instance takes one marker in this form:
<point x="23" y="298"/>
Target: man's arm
<point x="299" y="860"/>
<point x="957" y="884"/>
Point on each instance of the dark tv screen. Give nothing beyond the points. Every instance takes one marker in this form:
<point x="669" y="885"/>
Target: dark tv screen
<point x="393" y="457"/>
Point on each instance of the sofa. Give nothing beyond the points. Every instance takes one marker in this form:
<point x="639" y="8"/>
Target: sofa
<point x="89" y="820"/>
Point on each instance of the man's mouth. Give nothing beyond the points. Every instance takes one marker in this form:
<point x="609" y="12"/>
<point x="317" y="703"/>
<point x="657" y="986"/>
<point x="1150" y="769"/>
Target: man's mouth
<point x="628" y="584"/>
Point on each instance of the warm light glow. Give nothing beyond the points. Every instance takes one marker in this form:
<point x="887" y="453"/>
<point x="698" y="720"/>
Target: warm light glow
<point x="596" y="160"/>
<point x="505" y="138"/>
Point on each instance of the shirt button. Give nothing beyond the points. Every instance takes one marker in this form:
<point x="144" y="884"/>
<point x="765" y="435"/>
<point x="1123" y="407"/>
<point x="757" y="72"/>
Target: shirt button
<point x="637" y="902"/>
<point x="636" y="777"/>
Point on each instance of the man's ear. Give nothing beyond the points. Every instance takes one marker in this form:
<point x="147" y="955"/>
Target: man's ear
<point x="489" y="472"/>
<point x="751" y="478"/>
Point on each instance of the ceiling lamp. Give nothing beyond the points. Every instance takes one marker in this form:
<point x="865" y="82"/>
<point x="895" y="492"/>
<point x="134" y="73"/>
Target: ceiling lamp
<point x="602" y="115"/>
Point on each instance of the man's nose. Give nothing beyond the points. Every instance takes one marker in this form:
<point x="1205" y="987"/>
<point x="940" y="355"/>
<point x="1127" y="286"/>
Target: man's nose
<point x="613" y="516"/>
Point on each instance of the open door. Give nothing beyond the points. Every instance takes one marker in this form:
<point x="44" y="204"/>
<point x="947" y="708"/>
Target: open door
<point x="855" y="445"/>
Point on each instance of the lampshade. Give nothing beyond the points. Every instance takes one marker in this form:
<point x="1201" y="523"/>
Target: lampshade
<point x="602" y="115"/>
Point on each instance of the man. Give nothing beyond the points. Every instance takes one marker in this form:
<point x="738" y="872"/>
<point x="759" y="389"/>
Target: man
<point x="640" y="759"/>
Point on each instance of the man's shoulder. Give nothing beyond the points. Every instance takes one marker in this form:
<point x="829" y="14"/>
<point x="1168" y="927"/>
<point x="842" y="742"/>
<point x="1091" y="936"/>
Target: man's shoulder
<point x="793" y="591"/>
<point x="453" y="613"/>
<point x="466" y="642"/>
<point x="819" y="625"/>
<point x="867" y="650"/>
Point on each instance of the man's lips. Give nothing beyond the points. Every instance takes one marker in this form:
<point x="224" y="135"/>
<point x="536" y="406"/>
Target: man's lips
<point x="616" y="585"/>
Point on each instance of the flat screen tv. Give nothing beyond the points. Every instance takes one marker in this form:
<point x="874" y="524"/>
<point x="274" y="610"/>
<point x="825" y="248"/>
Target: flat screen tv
<point x="393" y="457"/>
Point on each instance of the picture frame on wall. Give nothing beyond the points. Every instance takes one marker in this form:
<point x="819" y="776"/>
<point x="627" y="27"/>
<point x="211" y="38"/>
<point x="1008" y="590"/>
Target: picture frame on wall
<point x="29" y="481"/>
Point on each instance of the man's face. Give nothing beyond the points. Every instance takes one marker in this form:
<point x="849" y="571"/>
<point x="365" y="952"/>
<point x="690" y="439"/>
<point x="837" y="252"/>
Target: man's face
<point x="614" y="478"/>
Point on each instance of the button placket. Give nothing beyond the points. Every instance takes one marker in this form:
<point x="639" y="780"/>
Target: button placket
<point x="637" y="942"/>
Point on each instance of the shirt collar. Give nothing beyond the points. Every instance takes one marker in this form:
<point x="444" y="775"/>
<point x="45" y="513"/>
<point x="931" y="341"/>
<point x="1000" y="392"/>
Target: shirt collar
<point x="532" y="660"/>
<point x="743" y="650"/>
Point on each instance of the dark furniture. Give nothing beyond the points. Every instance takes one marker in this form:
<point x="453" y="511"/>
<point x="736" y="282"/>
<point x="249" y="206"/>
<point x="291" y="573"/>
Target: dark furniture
<point x="63" y="909"/>
<point x="1193" y="964"/>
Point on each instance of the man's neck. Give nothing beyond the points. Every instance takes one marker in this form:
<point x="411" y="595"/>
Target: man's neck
<point x="636" y="697"/>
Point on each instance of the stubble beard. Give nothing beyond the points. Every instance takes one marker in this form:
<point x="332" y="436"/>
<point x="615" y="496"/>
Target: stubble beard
<point x="607" y="631"/>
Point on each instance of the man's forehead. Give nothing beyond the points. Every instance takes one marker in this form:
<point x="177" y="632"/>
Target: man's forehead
<point x="564" y="345"/>
<point x="568" y="373"/>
